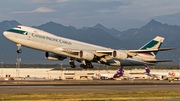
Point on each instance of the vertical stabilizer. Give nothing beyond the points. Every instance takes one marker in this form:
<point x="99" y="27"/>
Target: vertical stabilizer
<point x="147" y="70"/>
<point x="119" y="73"/>
<point x="153" y="44"/>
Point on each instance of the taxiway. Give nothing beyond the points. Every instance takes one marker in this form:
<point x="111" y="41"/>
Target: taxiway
<point x="91" y="88"/>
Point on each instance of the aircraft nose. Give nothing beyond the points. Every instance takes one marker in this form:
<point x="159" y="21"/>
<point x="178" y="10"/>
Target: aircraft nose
<point x="5" y="33"/>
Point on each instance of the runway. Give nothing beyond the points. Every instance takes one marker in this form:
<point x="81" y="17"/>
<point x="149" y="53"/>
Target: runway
<point x="90" y="88"/>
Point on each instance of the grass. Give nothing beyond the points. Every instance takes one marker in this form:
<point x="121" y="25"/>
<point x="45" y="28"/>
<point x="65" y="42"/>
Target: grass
<point x="105" y="96"/>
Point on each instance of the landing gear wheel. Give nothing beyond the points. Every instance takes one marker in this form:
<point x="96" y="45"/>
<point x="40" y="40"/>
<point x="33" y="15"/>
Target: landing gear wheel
<point x="19" y="48"/>
<point x="91" y="66"/>
<point x="73" y="66"/>
<point x="82" y="65"/>
<point x="88" y="65"/>
<point x="19" y="51"/>
<point x="71" y="62"/>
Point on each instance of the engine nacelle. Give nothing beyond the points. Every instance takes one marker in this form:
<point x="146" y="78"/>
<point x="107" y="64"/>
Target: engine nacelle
<point x="160" y="77"/>
<point x="53" y="57"/>
<point x="119" y="55"/>
<point x="86" y="55"/>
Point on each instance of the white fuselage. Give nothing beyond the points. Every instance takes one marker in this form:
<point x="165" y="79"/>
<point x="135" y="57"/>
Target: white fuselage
<point x="165" y="74"/>
<point x="104" y="75"/>
<point x="41" y="40"/>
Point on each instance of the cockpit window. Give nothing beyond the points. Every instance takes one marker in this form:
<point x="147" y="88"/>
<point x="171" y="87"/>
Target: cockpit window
<point x="18" y="27"/>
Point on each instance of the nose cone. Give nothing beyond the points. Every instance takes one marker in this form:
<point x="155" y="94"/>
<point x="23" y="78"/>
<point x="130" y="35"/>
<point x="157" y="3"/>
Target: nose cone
<point x="9" y="35"/>
<point x="5" y="34"/>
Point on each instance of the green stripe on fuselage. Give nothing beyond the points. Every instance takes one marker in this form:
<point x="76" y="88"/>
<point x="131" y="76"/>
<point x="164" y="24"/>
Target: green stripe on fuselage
<point x="151" y="45"/>
<point x="16" y="31"/>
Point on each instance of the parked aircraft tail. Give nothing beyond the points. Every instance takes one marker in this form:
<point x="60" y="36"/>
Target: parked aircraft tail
<point x="119" y="73"/>
<point x="147" y="70"/>
<point x="153" y="44"/>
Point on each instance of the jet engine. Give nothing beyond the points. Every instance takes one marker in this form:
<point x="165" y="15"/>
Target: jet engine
<point x="86" y="55"/>
<point x="160" y="77"/>
<point x="119" y="55"/>
<point x="53" y="56"/>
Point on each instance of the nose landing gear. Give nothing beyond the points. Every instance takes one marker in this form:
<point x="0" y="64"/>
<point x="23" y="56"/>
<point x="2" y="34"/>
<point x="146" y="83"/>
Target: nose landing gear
<point x="19" y="51"/>
<point x="19" y="48"/>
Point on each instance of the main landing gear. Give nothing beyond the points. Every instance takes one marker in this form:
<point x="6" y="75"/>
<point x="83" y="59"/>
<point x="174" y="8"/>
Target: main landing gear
<point x="86" y="64"/>
<point x="19" y="48"/>
<point x="71" y="62"/>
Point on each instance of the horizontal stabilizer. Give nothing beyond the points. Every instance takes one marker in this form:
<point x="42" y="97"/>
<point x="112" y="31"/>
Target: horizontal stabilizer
<point x="154" y="61"/>
<point x="150" y="50"/>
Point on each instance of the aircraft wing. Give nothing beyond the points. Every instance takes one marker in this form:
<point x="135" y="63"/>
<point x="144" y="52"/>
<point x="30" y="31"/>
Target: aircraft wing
<point x="105" y="55"/>
<point x="109" y="52"/>
<point x="70" y="50"/>
<point x="67" y="50"/>
<point x="150" y="50"/>
<point x="76" y="53"/>
<point x="154" y="61"/>
<point x="133" y="52"/>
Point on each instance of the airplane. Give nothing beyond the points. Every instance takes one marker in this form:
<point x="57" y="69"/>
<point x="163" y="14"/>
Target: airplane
<point x="60" y="48"/>
<point x="120" y="73"/>
<point x="103" y="76"/>
<point x="162" y="75"/>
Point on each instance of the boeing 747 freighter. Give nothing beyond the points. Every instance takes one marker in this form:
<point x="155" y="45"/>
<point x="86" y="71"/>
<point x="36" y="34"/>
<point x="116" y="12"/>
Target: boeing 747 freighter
<point x="60" y="48"/>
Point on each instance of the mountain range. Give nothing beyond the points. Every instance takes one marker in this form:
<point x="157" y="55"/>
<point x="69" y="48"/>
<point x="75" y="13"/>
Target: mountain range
<point x="132" y="38"/>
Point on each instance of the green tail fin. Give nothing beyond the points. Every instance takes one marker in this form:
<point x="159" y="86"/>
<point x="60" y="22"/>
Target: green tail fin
<point x="153" y="44"/>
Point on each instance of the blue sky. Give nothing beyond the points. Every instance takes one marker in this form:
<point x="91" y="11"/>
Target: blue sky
<point x="119" y="14"/>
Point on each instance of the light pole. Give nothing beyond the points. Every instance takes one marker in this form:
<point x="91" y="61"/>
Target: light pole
<point x="61" y="70"/>
<point x="61" y="66"/>
<point x="18" y="60"/>
<point x="16" y="69"/>
<point x="2" y="68"/>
